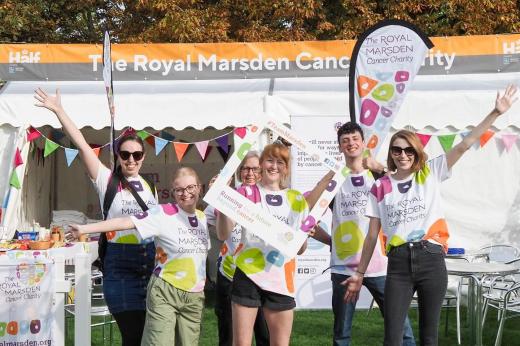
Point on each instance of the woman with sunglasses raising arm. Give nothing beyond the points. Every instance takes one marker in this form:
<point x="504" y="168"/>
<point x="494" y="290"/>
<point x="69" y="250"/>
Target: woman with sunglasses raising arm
<point x="407" y="205"/>
<point x="175" y="298"/>
<point x="129" y="258"/>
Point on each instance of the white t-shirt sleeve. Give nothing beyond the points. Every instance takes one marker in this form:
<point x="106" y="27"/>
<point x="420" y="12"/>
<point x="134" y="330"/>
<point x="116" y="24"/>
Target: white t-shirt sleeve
<point x="210" y="215"/>
<point x="101" y="181"/>
<point x="151" y="222"/>
<point x="439" y="167"/>
<point x="372" y="209"/>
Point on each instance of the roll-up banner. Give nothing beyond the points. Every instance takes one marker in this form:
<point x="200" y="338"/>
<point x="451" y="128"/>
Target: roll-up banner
<point x="451" y="55"/>
<point x="384" y="63"/>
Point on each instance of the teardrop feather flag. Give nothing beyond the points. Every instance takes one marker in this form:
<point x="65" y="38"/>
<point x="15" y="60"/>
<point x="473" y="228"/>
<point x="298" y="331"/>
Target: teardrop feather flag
<point x="384" y="63"/>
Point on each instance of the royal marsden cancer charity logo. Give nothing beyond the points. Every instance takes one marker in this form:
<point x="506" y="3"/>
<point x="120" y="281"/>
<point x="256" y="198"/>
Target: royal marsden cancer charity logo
<point x="22" y="283"/>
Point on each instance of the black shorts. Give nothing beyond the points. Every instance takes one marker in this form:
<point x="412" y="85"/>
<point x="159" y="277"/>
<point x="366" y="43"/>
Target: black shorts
<point x="246" y="293"/>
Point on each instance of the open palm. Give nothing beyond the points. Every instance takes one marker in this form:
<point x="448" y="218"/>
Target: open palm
<point x="52" y="103"/>
<point x="504" y="102"/>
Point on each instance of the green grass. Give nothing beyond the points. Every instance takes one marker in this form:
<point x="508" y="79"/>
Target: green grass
<point x="314" y="327"/>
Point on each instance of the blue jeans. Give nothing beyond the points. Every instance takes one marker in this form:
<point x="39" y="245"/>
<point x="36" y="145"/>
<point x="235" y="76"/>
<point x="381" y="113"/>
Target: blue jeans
<point x="344" y="312"/>
<point x="417" y="266"/>
<point x="127" y="271"/>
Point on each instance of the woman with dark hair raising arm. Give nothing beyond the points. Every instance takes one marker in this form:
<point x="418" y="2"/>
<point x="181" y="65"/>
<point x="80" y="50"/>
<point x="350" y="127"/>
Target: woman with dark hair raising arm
<point x="407" y="205"/>
<point x="129" y="259"/>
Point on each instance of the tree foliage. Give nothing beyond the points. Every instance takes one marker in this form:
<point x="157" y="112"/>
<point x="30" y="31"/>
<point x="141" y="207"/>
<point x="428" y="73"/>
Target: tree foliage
<point x="58" y="21"/>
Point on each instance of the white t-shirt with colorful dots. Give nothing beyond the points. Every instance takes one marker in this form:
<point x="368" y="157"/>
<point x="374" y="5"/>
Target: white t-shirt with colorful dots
<point x="226" y="263"/>
<point x="350" y="226"/>
<point x="410" y="209"/>
<point x="262" y="263"/>
<point x="182" y="244"/>
<point x="124" y="204"/>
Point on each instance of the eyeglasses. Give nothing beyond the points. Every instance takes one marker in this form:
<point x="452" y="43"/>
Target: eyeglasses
<point x="125" y="155"/>
<point x="279" y="163"/>
<point x="396" y="151"/>
<point x="179" y="191"/>
<point x="254" y="170"/>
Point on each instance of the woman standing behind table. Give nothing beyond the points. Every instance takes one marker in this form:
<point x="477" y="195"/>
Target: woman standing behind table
<point x="249" y="174"/>
<point x="264" y="278"/>
<point x="129" y="258"/>
<point x="175" y="298"/>
<point x="417" y="243"/>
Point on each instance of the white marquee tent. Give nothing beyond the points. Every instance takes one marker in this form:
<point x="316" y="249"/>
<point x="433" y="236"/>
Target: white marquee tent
<point x="482" y="199"/>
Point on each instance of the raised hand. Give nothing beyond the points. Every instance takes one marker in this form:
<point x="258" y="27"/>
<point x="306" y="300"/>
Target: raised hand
<point x="504" y="102"/>
<point x="52" y="103"/>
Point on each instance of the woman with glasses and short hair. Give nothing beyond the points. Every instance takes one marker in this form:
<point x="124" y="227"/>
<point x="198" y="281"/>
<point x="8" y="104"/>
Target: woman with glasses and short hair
<point x="129" y="258"/>
<point x="175" y="298"/>
<point x="264" y="278"/>
<point x="407" y="205"/>
<point x="248" y="174"/>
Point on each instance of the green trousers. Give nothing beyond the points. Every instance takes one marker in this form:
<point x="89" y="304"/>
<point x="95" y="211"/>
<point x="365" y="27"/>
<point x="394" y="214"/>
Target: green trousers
<point x="173" y="316"/>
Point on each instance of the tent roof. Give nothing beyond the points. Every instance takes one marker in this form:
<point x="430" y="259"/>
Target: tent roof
<point x="157" y="104"/>
<point x="436" y="101"/>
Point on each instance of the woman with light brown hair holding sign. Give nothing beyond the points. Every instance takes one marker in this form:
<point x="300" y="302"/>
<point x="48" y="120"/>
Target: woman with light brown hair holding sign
<point x="264" y="277"/>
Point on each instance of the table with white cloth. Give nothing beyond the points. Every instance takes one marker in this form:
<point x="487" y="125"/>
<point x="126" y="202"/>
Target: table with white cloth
<point x="476" y="271"/>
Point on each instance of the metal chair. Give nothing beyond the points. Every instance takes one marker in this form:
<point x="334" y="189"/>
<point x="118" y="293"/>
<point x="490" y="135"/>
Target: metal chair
<point x="504" y="295"/>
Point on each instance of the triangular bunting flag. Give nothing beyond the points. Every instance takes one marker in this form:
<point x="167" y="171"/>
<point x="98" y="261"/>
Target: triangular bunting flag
<point x="56" y="135"/>
<point x="17" y="158"/>
<point x="143" y="134"/>
<point x="509" y="139"/>
<point x="424" y="138"/>
<point x="446" y="142"/>
<point x="223" y="142"/>
<point x="224" y="153"/>
<point x="159" y="144"/>
<point x="6" y="199"/>
<point x="180" y="149"/>
<point x="208" y="150"/>
<point x="96" y="151"/>
<point x="128" y="131"/>
<point x="464" y="134"/>
<point x="70" y="155"/>
<point x="50" y="146"/>
<point x="202" y="147"/>
<point x="32" y="134"/>
<point x="14" y="182"/>
<point x="167" y="136"/>
<point x="486" y="137"/>
<point x="151" y="139"/>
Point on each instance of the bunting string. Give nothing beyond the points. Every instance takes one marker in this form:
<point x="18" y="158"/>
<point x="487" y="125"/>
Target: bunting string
<point x="158" y="140"/>
<point x="447" y="140"/>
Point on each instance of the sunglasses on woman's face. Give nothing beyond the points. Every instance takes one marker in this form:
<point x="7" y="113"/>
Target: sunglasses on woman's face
<point x="396" y="151"/>
<point x="125" y="155"/>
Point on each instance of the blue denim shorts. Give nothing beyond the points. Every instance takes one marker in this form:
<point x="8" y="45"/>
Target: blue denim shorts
<point x="127" y="271"/>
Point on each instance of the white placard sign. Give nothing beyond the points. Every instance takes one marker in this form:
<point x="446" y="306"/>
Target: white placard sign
<point x="252" y="216"/>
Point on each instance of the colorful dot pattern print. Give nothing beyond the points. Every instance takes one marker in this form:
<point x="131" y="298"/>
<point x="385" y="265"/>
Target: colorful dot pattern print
<point x="182" y="244"/>
<point x="350" y="226"/>
<point x="410" y="209"/>
<point x="262" y="263"/>
<point x="380" y="95"/>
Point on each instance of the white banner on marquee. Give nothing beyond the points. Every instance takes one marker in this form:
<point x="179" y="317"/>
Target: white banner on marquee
<point x="26" y="293"/>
